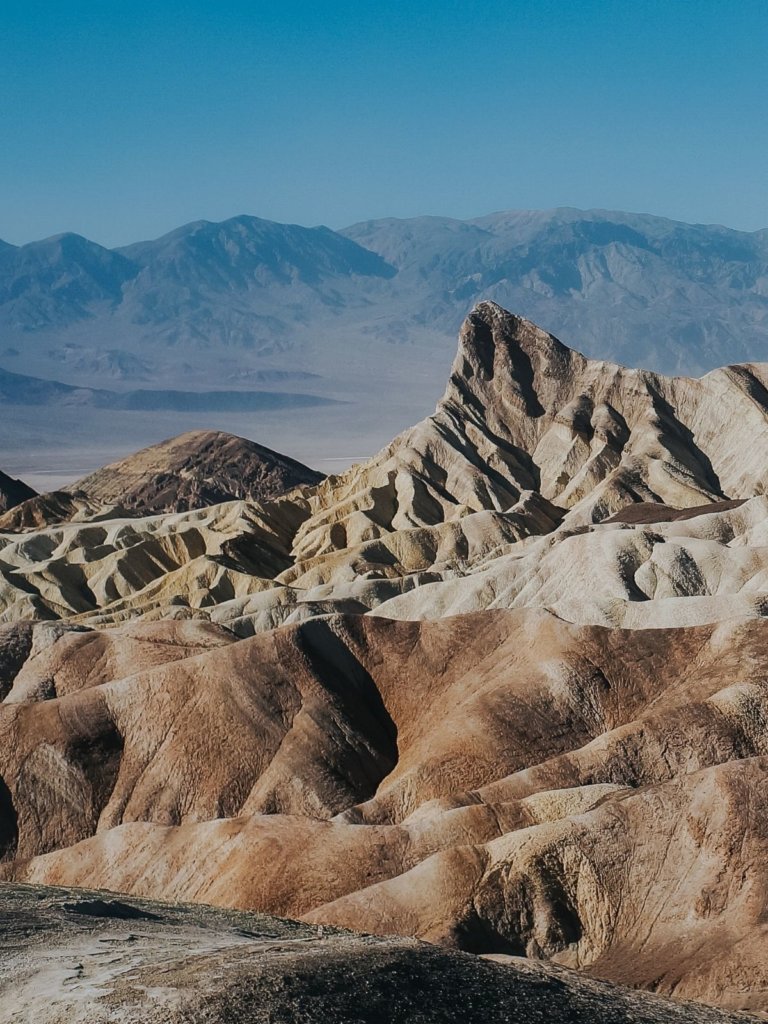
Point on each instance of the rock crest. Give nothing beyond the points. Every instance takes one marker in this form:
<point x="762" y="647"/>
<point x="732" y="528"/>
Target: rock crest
<point x="501" y="687"/>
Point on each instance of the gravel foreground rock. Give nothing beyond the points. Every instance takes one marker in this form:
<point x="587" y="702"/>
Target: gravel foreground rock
<point x="79" y="957"/>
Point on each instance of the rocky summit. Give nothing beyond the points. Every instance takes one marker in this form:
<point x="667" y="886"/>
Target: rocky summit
<point x="195" y="470"/>
<point x="500" y="689"/>
<point x="13" y="492"/>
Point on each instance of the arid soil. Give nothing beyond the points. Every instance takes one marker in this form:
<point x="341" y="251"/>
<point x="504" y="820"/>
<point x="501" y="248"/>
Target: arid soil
<point x="502" y="688"/>
<point x="78" y="957"/>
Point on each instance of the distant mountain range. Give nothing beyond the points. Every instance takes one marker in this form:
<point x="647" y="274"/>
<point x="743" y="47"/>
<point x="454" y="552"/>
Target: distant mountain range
<point x="20" y="389"/>
<point x="214" y="304"/>
<point x="636" y="289"/>
<point x="242" y="325"/>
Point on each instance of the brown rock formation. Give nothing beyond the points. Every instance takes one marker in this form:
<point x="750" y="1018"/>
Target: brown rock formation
<point x="195" y="470"/>
<point x="502" y="687"/>
<point x="13" y="492"/>
<point x="191" y="471"/>
<point x="504" y="783"/>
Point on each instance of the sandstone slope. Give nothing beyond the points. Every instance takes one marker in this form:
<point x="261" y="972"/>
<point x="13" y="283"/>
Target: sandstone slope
<point x="194" y="470"/>
<point x="504" y="782"/>
<point x="87" y="958"/>
<point x="182" y="564"/>
<point x="501" y="687"/>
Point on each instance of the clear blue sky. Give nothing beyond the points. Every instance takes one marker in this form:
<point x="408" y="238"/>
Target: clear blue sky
<point x="121" y="120"/>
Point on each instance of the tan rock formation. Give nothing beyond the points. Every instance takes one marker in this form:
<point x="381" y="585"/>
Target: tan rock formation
<point x="502" y="687"/>
<point x="88" y="958"/>
<point x="54" y="507"/>
<point x="530" y="439"/>
<point x="194" y="470"/>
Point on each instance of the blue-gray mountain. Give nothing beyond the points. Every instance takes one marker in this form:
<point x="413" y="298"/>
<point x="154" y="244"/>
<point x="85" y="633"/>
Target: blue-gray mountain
<point x="640" y="290"/>
<point x="221" y="301"/>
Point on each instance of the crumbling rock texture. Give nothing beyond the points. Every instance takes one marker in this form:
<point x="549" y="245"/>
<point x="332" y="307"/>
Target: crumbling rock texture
<point x="501" y="688"/>
<point x="70" y="957"/>
<point x="194" y="470"/>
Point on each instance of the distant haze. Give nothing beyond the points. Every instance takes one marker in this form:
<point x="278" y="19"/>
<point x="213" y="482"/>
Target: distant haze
<point x="263" y="328"/>
<point x="120" y="121"/>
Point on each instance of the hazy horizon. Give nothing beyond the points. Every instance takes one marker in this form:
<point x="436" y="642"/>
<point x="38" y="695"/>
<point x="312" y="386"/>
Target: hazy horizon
<point x="364" y="220"/>
<point x="123" y="123"/>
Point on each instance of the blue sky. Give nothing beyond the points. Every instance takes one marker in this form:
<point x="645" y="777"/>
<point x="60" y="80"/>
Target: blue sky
<point x="124" y="120"/>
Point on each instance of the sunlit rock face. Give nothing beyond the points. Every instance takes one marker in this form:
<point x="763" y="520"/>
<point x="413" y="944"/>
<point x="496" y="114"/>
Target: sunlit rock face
<point x="501" y="687"/>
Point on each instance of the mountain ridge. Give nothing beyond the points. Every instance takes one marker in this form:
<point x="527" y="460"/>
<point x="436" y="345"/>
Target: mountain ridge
<point x="22" y="389"/>
<point x="224" y="306"/>
<point x="499" y="687"/>
<point x="194" y="470"/>
<point x="529" y="260"/>
<point x="531" y="441"/>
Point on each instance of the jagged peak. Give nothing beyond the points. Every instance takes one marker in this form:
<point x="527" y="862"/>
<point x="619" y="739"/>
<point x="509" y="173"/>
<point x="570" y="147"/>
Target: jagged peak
<point x="504" y="358"/>
<point x="491" y="337"/>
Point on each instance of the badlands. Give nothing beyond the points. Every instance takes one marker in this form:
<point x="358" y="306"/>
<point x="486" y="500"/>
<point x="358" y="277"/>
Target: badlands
<point x="502" y="689"/>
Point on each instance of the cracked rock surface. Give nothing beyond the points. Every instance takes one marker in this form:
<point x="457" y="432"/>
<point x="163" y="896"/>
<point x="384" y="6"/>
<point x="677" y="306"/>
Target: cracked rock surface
<point x="86" y="958"/>
<point x="501" y="688"/>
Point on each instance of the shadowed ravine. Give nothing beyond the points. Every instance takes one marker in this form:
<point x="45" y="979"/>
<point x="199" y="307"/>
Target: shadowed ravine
<point x="500" y="689"/>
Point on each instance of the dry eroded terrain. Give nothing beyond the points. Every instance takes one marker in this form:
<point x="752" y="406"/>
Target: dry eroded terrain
<point x="501" y="688"/>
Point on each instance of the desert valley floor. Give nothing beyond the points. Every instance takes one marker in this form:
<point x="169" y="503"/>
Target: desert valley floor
<point x="496" y="698"/>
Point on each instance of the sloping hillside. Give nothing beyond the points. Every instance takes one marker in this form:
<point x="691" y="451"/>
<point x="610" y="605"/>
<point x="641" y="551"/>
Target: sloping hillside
<point x="500" y="687"/>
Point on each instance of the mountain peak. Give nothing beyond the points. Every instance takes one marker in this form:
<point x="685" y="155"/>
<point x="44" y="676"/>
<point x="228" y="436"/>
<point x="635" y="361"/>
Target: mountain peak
<point x="13" y="492"/>
<point x="245" y="250"/>
<point x="522" y="412"/>
<point x="514" y="353"/>
<point x="195" y="469"/>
